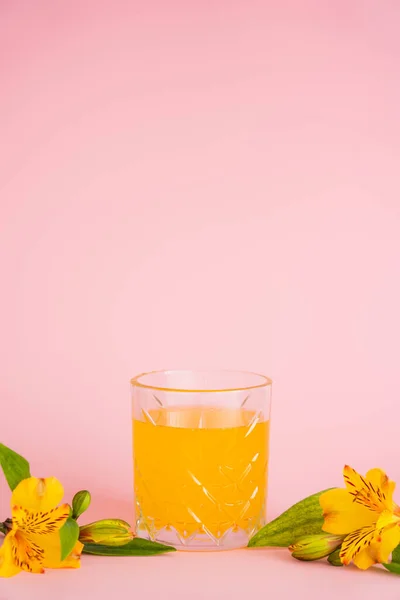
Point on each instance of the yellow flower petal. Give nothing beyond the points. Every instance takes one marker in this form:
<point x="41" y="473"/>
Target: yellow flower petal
<point x="390" y="538"/>
<point x="73" y="560"/>
<point x="51" y="546"/>
<point x="8" y="568"/>
<point x="370" y="545"/>
<point x="366" y="558"/>
<point x="388" y="535"/>
<point x="26" y="553"/>
<point x="31" y="523"/>
<point x="357" y="547"/>
<point x="38" y="494"/>
<point x="343" y="515"/>
<point x="366" y="492"/>
<point x="385" y="488"/>
<point x="380" y="547"/>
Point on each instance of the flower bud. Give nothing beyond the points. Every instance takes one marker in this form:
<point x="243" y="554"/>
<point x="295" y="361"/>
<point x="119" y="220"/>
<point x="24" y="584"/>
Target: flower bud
<point x="314" y="547"/>
<point x="80" y="503"/>
<point x="109" y="532"/>
<point x="334" y="558"/>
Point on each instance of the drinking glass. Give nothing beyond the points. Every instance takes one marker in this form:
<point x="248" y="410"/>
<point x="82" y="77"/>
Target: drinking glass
<point x="200" y="453"/>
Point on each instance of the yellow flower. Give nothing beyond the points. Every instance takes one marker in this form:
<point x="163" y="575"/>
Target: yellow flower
<point x="34" y="541"/>
<point x="365" y="513"/>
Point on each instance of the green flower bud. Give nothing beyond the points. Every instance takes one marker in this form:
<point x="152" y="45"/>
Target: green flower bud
<point x="109" y="532"/>
<point x="80" y="503"/>
<point x="334" y="558"/>
<point x="314" y="547"/>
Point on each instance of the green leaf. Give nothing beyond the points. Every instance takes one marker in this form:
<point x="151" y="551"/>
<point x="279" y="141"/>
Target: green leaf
<point x="396" y="555"/>
<point x="80" y="503"/>
<point x="303" y="519"/>
<point x="392" y="567"/>
<point x="69" y="534"/>
<point x="334" y="558"/>
<point x="15" y="467"/>
<point x="136" y="547"/>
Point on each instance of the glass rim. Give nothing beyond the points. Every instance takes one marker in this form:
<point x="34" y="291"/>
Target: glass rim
<point x="135" y="381"/>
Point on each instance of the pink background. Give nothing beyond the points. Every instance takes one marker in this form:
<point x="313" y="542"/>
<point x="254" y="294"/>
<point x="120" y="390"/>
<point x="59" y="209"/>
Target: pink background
<point x="199" y="184"/>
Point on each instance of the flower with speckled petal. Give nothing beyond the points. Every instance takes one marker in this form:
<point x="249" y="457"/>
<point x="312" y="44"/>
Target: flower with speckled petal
<point x="365" y="514"/>
<point x="33" y="541"/>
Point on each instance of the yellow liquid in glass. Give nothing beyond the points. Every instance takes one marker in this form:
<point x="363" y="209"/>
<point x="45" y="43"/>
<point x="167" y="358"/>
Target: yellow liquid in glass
<point x="200" y="470"/>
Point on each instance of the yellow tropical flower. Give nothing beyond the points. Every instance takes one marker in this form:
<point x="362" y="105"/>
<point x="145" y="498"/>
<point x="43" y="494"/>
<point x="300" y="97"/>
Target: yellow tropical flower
<point x="365" y="513"/>
<point x="33" y="543"/>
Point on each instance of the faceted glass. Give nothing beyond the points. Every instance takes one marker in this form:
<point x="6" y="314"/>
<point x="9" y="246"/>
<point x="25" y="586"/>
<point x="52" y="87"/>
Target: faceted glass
<point x="200" y="451"/>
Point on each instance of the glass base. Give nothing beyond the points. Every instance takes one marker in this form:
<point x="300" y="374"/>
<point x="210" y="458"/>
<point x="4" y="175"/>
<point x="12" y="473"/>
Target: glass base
<point x="198" y="542"/>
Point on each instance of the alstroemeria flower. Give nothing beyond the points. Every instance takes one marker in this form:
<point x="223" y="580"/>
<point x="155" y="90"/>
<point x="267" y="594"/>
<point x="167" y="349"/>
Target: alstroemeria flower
<point x="33" y="543"/>
<point x="366" y="514"/>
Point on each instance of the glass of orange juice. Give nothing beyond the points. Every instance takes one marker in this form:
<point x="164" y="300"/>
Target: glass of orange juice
<point x="200" y="453"/>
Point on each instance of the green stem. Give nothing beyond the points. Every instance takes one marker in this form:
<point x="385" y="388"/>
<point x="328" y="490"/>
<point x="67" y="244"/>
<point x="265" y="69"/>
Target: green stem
<point x="6" y="526"/>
